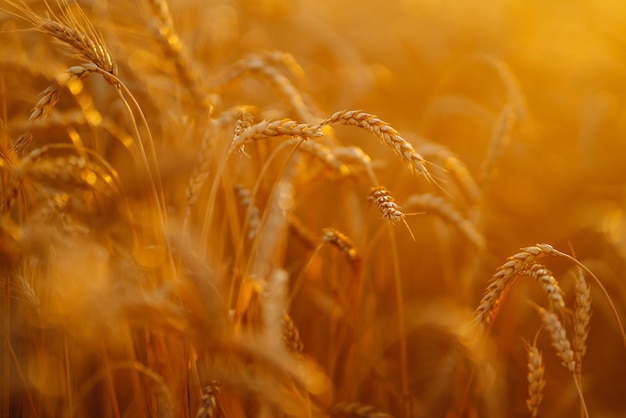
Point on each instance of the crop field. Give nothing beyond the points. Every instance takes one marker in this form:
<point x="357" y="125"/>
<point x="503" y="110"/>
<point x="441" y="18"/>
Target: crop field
<point x="312" y="208"/>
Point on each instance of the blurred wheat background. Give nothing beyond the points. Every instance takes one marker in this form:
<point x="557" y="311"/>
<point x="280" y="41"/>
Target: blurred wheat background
<point x="271" y="208"/>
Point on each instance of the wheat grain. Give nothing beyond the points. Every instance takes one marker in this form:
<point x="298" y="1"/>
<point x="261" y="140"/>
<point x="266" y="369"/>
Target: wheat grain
<point x="536" y="380"/>
<point x="386" y="133"/>
<point x="356" y="409"/>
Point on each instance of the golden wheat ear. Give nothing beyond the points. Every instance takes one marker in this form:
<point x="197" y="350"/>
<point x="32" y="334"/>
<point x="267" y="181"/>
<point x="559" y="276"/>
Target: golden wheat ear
<point x="536" y="380"/>
<point x="387" y="206"/>
<point x="563" y="348"/>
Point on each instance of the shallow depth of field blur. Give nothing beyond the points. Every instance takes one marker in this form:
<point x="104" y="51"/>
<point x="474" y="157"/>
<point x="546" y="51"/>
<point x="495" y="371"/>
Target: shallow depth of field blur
<point x="138" y="279"/>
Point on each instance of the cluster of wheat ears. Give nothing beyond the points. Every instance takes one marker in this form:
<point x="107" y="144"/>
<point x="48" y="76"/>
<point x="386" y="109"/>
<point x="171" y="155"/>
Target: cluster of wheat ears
<point x="184" y="232"/>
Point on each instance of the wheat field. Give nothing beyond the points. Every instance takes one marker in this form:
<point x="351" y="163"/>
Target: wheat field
<point x="275" y="208"/>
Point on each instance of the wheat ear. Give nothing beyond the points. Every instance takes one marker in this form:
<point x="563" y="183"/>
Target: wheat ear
<point x="536" y="380"/>
<point x="563" y="347"/>
<point x="291" y="336"/>
<point x="550" y="285"/>
<point x="174" y="49"/>
<point x="251" y="209"/>
<point x="208" y="402"/>
<point x="500" y="139"/>
<point x="49" y="97"/>
<point x="387" y="206"/>
<point x="582" y="317"/>
<point x="343" y="243"/>
<point x="71" y="28"/>
<point x="455" y="168"/>
<point x="386" y="133"/>
<point x="441" y="207"/>
<point x="263" y="66"/>
<point x="267" y="129"/>
<point x="326" y="156"/>
<point x="503" y="279"/>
